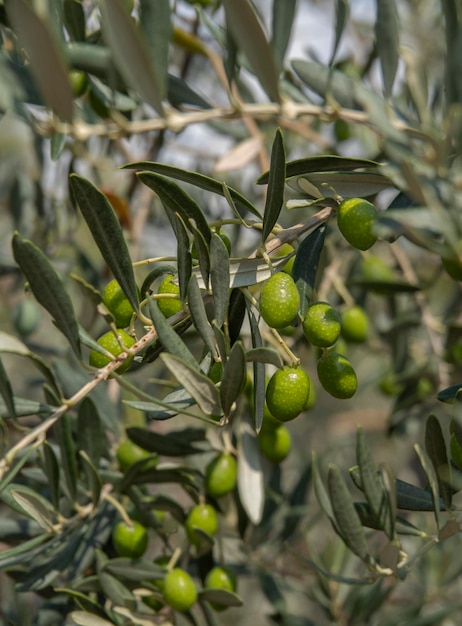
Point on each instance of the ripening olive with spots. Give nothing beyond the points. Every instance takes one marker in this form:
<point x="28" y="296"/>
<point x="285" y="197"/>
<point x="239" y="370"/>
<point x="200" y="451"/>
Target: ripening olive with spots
<point x="321" y="325"/>
<point x="117" y="304"/>
<point x="275" y="443"/>
<point x="130" y="540"/>
<point x="115" y="344"/>
<point x="279" y="300"/>
<point x="356" y="218"/>
<point x="220" y="475"/>
<point x="202" y="517"/>
<point x="169" y="306"/>
<point x="220" y="577"/>
<point x="287" y="393"/>
<point x="337" y="376"/>
<point x="355" y="324"/>
<point x="179" y="590"/>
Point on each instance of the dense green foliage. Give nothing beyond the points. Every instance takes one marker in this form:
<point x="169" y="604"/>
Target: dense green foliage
<point x="283" y="304"/>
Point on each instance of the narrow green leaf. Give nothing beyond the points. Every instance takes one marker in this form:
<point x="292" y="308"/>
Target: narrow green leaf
<point x="250" y="479"/>
<point x="90" y="433"/>
<point x="23" y="529"/>
<point x="139" y="570"/>
<point x="387" y="29"/>
<point x="184" y="260"/>
<point x="348" y="522"/>
<point x="306" y="266"/>
<point x="341" y="17"/>
<point x="449" y="394"/>
<point x="130" y="53"/>
<point x="83" y="618"/>
<point x="321" y="492"/>
<point x="408" y="497"/>
<point x="348" y="185"/>
<point x="389" y="485"/>
<point x="222" y="343"/>
<point x="236" y="314"/>
<point x="435" y="447"/>
<point x="198" y="180"/>
<point x="432" y="479"/>
<point x="74" y="19"/>
<point x="282" y="21"/>
<point x="176" y="200"/>
<point x="106" y="231"/>
<point x="180" y="93"/>
<point x="371" y="484"/>
<point x="51" y="469"/>
<point x="219" y="278"/>
<point x="203" y="255"/>
<point x="167" y="444"/>
<point x="64" y="436"/>
<point x="57" y="144"/>
<point x="47" y="287"/>
<point x="6" y="392"/>
<point x="93" y="478"/>
<point x="245" y="272"/>
<point x="259" y="376"/>
<point x="112" y="587"/>
<point x="199" y="316"/>
<point x="173" y="403"/>
<point x="199" y="386"/>
<point x="325" y="81"/>
<point x="156" y="27"/>
<point x="368" y="518"/>
<point x="322" y="163"/>
<point x="234" y="377"/>
<point x="247" y="31"/>
<point x="171" y="341"/>
<point x="221" y="597"/>
<point x="84" y="602"/>
<point x="44" y="54"/>
<point x="276" y="184"/>
<point x="35" y="506"/>
<point x="265" y="355"/>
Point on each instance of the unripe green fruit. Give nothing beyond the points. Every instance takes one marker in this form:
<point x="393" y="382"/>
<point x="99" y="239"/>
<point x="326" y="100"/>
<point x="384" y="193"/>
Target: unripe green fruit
<point x="109" y="342"/>
<point x="321" y="325"/>
<point x="130" y="540"/>
<point x="342" y="130"/>
<point x="169" y="306"/>
<point x="26" y="317"/>
<point x="355" y="218"/>
<point x="389" y="385"/>
<point x="355" y="324"/>
<point x="221" y="475"/>
<point x="203" y="517"/>
<point x="275" y="443"/>
<point x="337" y="375"/>
<point x="179" y="590"/>
<point x="117" y="304"/>
<point x="79" y="82"/>
<point x="220" y="578"/>
<point x="128" y="453"/>
<point x="284" y="250"/>
<point x="279" y="300"/>
<point x="374" y="269"/>
<point x="287" y="393"/>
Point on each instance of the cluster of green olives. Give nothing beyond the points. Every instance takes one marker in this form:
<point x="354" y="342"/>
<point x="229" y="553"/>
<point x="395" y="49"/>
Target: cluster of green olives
<point x="288" y="389"/>
<point x="130" y="538"/>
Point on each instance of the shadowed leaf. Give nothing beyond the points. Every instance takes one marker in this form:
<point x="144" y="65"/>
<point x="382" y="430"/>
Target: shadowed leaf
<point x="276" y="184"/>
<point x="107" y="233"/>
<point x="248" y="34"/>
<point x="47" y="287"/>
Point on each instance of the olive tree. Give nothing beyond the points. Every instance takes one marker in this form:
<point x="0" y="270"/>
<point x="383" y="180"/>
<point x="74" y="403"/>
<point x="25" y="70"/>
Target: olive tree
<point x="196" y="361"/>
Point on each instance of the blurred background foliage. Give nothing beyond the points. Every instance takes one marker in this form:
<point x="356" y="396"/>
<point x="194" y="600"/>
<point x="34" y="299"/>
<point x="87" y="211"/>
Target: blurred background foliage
<point x="88" y="87"/>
